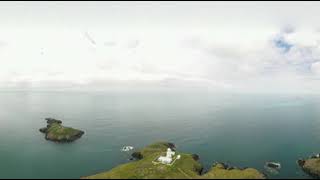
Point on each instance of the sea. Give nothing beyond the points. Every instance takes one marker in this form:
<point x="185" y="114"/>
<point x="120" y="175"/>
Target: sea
<point x="240" y="129"/>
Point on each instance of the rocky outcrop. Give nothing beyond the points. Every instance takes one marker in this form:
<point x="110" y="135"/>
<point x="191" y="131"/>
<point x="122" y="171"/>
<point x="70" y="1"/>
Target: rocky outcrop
<point x="43" y="130"/>
<point x="58" y="133"/>
<point x="51" y="121"/>
<point x="137" y="155"/>
<point x="225" y="171"/>
<point x="196" y="157"/>
<point x="310" y="166"/>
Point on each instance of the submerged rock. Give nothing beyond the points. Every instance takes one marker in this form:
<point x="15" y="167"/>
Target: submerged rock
<point x="310" y="166"/>
<point x="58" y="133"/>
<point x="185" y="167"/>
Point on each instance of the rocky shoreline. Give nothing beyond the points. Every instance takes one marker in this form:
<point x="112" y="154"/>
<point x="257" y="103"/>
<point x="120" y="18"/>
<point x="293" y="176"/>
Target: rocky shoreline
<point x="311" y="166"/>
<point x="58" y="133"/>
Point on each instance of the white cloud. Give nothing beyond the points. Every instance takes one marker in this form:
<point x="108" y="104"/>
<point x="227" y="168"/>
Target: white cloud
<point x="238" y="46"/>
<point x="315" y="68"/>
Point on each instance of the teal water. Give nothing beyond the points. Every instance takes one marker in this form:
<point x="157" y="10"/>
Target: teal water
<point x="244" y="130"/>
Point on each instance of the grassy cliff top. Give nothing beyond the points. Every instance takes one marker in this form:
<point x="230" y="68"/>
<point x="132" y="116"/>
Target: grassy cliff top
<point x="184" y="168"/>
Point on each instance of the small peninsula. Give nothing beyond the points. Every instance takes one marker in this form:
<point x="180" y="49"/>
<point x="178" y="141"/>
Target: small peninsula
<point x="311" y="166"/>
<point x="58" y="133"/>
<point x="185" y="166"/>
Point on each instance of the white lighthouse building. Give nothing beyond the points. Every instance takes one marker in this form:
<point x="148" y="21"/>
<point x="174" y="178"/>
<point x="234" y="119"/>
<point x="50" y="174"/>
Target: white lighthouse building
<point x="168" y="158"/>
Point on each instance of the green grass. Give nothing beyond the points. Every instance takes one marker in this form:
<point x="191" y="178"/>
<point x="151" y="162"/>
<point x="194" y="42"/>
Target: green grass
<point x="144" y="169"/>
<point x="61" y="130"/>
<point x="58" y="132"/>
<point x="219" y="172"/>
<point x="184" y="168"/>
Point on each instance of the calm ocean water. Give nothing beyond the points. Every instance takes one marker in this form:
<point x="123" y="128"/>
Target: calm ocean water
<point x="244" y="130"/>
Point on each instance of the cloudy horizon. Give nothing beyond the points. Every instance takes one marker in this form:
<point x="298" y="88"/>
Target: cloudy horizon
<point x="238" y="46"/>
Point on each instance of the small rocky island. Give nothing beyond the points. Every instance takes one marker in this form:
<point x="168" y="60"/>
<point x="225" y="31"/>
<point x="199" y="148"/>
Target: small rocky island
<point x="58" y="133"/>
<point x="184" y="166"/>
<point x="311" y="166"/>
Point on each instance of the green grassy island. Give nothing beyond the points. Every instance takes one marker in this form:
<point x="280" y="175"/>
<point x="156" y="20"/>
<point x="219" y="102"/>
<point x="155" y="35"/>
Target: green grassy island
<point x="58" y="133"/>
<point x="184" y="167"/>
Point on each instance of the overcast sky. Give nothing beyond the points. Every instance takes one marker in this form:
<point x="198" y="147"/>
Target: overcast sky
<point x="240" y="46"/>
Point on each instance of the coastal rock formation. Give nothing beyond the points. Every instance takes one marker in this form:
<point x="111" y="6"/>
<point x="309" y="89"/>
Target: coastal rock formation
<point x="137" y="155"/>
<point x="51" y="121"/>
<point x="196" y="157"/>
<point x="223" y="171"/>
<point x="58" y="133"/>
<point x="186" y="167"/>
<point x="310" y="166"/>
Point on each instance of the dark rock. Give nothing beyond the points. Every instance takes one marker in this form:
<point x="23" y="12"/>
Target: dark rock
<point x="204" y="171"/>
<point x="43" y="130"/>
<point x="137" y="155"/>
<point x="195" y="157"/>
<point x="301" y="162"/>
<point x="315" y="156"/>
<point x="52" y="120"/>
<point x="171" y="145"/>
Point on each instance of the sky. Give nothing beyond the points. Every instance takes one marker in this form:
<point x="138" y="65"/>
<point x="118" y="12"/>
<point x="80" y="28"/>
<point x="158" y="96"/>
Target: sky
<point x="228" y="46"/>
